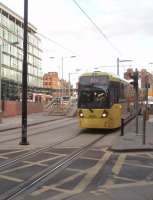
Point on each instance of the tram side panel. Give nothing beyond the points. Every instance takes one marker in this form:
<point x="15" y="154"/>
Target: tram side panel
<point x="109" y="118"/>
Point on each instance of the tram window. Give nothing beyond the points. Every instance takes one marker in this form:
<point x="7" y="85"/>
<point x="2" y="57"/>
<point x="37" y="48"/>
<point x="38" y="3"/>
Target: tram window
<point x="116" y="95"/>
<point x="112" y="95"/>
<point x="114" y="92"/>
<point x="122" y="92"/>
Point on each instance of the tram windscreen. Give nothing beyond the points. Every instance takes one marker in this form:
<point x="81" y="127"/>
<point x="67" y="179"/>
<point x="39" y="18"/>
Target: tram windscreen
<point x="93" y="92"/>
<point x="93" y="99"/>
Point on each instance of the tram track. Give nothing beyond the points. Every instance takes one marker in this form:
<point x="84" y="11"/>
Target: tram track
<point x="7" y="164"/>
<point x="31" y="128"/>
<point x="29" y="125"/>
<point x="47" y="173"/>
<point x="36" y="133"/>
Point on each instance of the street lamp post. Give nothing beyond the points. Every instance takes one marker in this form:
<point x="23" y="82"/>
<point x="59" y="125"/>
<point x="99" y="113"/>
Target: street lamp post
<point x="62" y="69"/>
<point x="77" y="70"/>
<point x="151" y="63"/>
<point x="118" y="64"/>
<point x="58" y="72"/>
<point x="62" y="78"/>
<point x="62" y="59"/>
<point x="118" y="61"/>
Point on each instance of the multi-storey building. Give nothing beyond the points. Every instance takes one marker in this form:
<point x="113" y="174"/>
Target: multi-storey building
<point x="58" y="86"/>
<point x="11" y="49"/>
<point x="51" y="80"/>
<point x="144" y="77"/>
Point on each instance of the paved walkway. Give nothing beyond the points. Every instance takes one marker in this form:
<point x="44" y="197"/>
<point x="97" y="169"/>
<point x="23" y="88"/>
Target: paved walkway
<point x="132" y="141"/>
<point x="15" y="122"/>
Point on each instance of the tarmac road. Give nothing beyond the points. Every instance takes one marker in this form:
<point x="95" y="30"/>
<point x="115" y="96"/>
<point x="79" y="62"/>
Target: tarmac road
<point x="96" y="175"/>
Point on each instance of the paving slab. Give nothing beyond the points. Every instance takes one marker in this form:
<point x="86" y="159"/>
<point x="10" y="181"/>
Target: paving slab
<point x="132" y="141"/>
<point x="32" y="119"/>
<point x="140" y="192"/>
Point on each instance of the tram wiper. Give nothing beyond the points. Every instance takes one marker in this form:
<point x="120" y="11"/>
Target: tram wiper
<point x="91" y="110"/>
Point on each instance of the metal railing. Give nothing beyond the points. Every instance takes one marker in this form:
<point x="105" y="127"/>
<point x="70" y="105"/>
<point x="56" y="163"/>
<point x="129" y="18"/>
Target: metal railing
<point x="125" y="121"/>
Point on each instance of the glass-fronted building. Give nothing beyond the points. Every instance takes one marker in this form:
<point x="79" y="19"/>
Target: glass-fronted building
<point x="11" y="49"/>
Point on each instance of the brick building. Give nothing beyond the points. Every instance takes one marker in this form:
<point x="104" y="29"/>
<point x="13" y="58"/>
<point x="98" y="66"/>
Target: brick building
<point x="51" y="80"/>
<point x="144" y="75"/>
<point x="128" y="73"/>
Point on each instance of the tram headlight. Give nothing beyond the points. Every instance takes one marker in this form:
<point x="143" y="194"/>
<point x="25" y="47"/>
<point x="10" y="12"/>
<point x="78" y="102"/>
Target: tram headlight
<point x="81" y="114"/>
<point x="104" y="114"/>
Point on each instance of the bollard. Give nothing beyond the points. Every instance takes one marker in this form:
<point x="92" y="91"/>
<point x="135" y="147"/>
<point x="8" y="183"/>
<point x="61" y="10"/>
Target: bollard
<point x="122" y="127"/>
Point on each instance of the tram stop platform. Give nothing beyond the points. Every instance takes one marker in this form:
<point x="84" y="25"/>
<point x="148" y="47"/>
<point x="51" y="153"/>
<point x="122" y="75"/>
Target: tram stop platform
<point x="132" y="141"/>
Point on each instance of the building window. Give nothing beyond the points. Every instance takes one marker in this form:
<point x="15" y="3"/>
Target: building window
<point x="6" y="59"/>
<point x="5" y="34"/>
<point x="1" y="32"/>
<point x="4" y="21"/>
<point x="19" y="65"/>
<point x="11" y="30"/>
<point x="14" y="63"/>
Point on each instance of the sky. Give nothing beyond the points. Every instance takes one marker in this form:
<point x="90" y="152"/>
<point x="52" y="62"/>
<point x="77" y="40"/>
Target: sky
<point x="127" y="25"/>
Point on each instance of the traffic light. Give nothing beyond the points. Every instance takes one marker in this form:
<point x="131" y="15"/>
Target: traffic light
<point x="135" y="78"/>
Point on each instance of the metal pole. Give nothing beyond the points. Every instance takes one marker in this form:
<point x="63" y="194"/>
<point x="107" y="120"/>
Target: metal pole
<point x="0" y="78"/>
<point x="145" y="112"/>
<point x="69" y="85"/>
<point x="122" y="127"/>
<point x="0" y="83"/>
<point x="144" y="128"/>
<point x="147" y="86"/>
<point x="59" y="88"/>
<point x="118" y="65"/>
<point x="24" y="77"/>
<point x="137" y="99"/>
<point x="62" y="76"/>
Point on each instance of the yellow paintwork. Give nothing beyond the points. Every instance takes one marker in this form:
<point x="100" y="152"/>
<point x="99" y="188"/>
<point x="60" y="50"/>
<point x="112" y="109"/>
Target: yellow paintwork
<point x="94" y="119"/>
<point x="111" y="77"/>
<point x="115" y="113"/>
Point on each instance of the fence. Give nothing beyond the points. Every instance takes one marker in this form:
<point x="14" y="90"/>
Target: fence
<point x="125" y="121"/>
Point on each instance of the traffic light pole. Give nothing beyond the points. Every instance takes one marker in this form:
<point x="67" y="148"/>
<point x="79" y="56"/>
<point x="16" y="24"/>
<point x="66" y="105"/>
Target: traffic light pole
<point x="145" y="112"/>
<point x="137" y="98"/>
<point x="118" y="65"/>
<point x="24" y="77"/>
<point x="137" y="110"/>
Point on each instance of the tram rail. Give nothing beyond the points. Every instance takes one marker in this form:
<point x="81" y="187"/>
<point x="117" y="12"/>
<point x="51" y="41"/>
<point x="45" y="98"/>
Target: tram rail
<point x="5" y="165"/>
<point x="36" y="133"/>
<point x="29" y="125"/>
<point x="48" y="173"/>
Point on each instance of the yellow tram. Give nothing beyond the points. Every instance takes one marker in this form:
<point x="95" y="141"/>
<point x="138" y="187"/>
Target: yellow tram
<point x="103" y="99"/>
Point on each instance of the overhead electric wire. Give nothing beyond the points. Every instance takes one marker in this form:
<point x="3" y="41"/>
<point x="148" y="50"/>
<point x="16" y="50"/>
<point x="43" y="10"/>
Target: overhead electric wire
<point x="97" y="27"/>
<point x="57" y="43"/>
